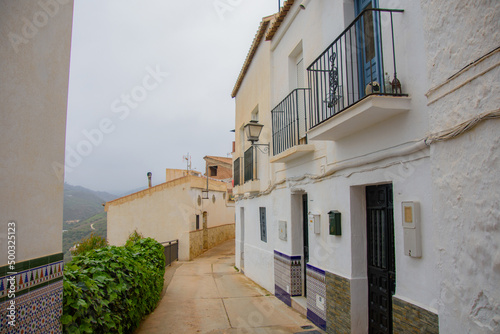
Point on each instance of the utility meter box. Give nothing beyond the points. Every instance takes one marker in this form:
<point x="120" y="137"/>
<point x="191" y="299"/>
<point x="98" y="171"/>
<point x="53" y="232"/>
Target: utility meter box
<point x="314" y="222"/>
<point x="411" y="228"/>
<point x="335" y="224"/>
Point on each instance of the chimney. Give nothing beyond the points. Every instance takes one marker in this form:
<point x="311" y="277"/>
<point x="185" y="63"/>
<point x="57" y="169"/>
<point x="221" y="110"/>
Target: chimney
<point x="149" y="179"/>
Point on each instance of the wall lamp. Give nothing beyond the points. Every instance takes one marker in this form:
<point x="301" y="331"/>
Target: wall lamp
<point x="252" y="130"/>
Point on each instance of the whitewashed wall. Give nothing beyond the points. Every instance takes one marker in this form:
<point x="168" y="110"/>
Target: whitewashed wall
<point x="168" y="213"/>
<point x="466" y="186"/>
<point x="34" y="72"/>
<point x="417" y="279"/>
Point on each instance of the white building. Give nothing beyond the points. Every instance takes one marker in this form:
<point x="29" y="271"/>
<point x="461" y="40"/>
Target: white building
<point x="464" y="77"/>
<point x="35" y="41"/>
<point x="354" y="211"/>
<point x="196" y="212"/>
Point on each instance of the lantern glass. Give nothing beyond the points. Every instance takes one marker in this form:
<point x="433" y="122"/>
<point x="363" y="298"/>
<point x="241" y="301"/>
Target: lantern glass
<point x="253" y="129"/>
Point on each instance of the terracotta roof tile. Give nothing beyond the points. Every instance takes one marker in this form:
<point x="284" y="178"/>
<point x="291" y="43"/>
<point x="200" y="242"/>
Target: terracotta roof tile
<point x="279" y="19"/>
<point x="222" y="159"/>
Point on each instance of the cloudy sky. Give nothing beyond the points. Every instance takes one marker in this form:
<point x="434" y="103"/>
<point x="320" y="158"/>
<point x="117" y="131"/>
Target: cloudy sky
<point x="150" y="82"/>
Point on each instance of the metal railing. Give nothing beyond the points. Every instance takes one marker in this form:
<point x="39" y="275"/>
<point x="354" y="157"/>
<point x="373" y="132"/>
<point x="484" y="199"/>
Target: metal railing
<point x="237" y="172"/>
<point x="358" y="63"/>
<point x="248" y="164"/>
<point x="171" y="251"/>
<point x="289" y="120"/>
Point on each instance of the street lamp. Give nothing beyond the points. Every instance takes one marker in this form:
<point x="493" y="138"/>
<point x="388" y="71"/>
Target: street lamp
<point x="253" y="130"/>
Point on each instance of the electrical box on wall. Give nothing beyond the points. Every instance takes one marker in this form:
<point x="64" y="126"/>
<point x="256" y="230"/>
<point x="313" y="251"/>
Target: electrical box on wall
<point x="335" y="224"/>
<point x="411" y="228"/>
<point x="314" y="221"/>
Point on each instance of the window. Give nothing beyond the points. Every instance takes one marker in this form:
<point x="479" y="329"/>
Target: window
<point x="213" y="170"/>
<point x="248" y="164"/>
<point x="197" y="222"/>
<point x="296" y="70"/>
<point x="236" y="173"/>
<point x="263" y="225"/>
<point x="255" y="114"/>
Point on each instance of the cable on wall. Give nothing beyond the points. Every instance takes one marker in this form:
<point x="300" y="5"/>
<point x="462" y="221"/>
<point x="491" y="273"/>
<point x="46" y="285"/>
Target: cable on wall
<point x="462" y="127"/>
<point x="363" y="160"/>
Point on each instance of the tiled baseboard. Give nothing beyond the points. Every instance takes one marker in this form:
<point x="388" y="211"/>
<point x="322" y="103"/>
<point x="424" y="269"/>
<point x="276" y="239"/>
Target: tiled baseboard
<point x="37" y="297"/>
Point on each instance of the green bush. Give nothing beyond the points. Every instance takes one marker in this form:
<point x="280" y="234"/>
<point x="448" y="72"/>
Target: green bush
<point x="133" y="237"/>
<point x="94" y="241"/>
<point x="109" y="290"/>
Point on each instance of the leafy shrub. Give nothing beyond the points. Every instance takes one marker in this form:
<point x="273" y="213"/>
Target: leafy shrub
<point x="94" y="241"/>
<point x="109" y="290"/>
<point x="133" y="237"/>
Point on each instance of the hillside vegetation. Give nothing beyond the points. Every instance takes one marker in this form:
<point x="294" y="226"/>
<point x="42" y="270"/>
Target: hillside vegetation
<point x="83" y="214"/>
<point x="81" y="203"/>
<point x="75" y="232"/>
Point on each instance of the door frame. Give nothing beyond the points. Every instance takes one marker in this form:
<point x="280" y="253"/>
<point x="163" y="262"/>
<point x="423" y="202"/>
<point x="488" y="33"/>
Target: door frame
<point x="305" y="242"/>
<point x="359" y="6"/>
<point x="242" y="238"/>
<point x="385" y="207"/>
<point x="359" y="256"/>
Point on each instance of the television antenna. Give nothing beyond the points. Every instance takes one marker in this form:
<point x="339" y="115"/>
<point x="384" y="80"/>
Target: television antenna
<point x="187" y="158"/>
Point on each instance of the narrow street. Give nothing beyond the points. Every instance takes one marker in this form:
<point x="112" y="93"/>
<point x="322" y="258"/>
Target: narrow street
<point x="208" y="295"/>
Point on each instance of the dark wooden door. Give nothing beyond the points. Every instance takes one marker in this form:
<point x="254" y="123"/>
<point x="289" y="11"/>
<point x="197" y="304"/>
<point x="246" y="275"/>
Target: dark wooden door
<point x="381" y="260"/>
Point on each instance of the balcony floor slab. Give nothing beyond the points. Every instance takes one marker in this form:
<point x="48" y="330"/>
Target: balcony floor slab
<point x="293" y="153"/>
<point x="367" y="112"/>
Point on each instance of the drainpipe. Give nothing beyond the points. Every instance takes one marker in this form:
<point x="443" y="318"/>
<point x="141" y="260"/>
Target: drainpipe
<point x="149" y="179"/>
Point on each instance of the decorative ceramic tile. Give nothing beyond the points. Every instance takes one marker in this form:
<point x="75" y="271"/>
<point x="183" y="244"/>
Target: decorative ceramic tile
<point x="287" y="276"/>
<point x="316" y="295"/>
<point x="38" y="297"/>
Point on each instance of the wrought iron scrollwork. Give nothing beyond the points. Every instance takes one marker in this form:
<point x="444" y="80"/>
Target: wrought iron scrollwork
<point x="333" y="97"/>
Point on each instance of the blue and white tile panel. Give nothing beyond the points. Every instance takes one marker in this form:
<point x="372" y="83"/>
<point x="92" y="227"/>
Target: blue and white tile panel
<point x="37" y="311"/>
<point x="29" y="279"/>
<point x="316" y="295"/>
<point x="287" y="276"/>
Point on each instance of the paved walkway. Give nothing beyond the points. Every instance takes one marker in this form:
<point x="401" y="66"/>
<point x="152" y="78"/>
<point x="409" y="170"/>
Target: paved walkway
<point x="208" y="295"/>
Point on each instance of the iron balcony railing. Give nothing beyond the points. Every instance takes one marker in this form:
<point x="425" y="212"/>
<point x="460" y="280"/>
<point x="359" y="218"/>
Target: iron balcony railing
<point x="171" y="251"/>
<point x="289" y="121"/>
<point x="237" y="172"/>
<point x="248" y="164"/>
<point x="360" y="62"/>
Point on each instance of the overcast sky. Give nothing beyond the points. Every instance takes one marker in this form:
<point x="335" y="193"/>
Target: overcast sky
<point x="150" y="82"/>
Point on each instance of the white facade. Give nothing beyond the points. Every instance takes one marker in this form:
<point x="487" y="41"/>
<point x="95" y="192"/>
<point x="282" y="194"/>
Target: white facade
<point x="466" y="186"/>
<point x="379" y="140"/>
<point x="170" y="211"/>
<point x="35" y="42"/>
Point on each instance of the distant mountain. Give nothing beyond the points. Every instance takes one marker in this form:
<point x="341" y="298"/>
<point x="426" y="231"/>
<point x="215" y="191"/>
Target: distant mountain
<point x="81" y="203"/>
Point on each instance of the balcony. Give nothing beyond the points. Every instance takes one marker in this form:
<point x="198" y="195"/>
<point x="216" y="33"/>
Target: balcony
<point x="354" y="83"/>
<point x="250" y="182"/>
<point x="290" y="124"/>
